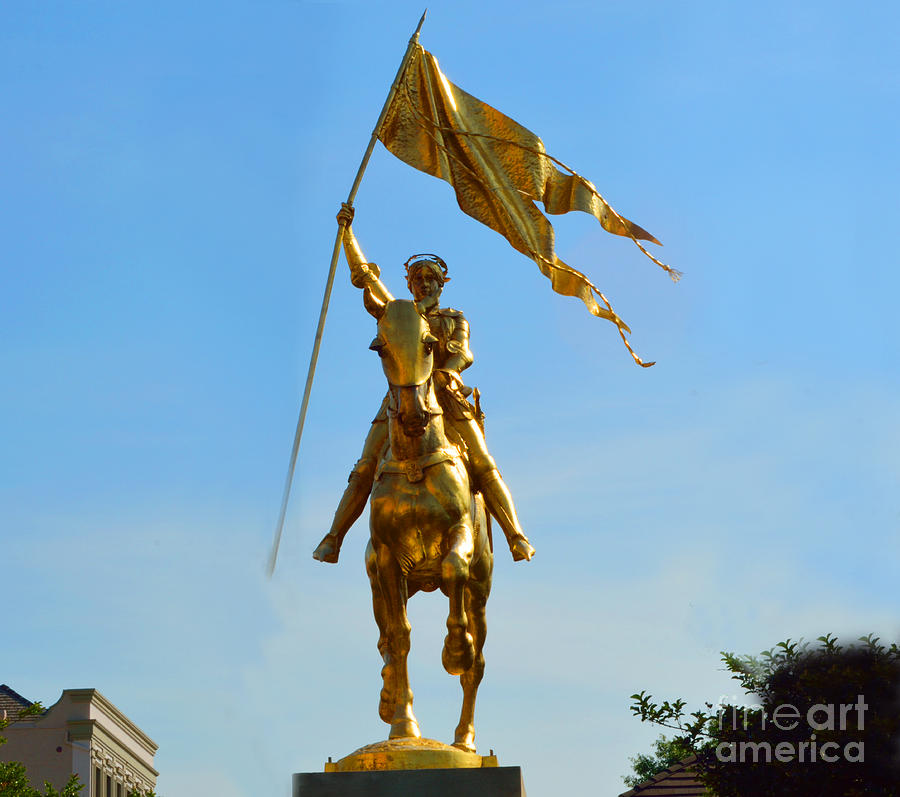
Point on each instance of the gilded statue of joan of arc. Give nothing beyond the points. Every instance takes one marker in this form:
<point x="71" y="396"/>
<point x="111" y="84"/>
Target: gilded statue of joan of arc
<point x="426" y="276"/>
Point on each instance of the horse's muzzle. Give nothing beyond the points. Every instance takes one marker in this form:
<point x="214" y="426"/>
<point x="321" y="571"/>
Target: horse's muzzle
<point x="412" y="408"/>
<point x="414" y="424"/>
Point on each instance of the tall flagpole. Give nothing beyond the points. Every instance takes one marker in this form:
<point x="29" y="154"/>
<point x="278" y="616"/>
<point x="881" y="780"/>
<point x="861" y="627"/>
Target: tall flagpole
<point x="413" y="41"/>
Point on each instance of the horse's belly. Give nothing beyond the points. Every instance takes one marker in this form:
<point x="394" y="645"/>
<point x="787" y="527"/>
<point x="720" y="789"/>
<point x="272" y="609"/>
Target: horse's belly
<point x="426" y="575"/>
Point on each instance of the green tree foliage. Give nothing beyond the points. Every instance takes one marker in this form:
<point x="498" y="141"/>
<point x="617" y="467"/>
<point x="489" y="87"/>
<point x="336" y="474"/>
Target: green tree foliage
<point x="13" y="780"/>
<point x="832" y="711"/>
<point x="666" y="752"/>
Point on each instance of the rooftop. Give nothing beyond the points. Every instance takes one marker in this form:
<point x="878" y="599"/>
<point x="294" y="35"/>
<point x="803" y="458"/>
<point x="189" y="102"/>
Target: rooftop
<point x="678" y="780"/>
<point x="11" y="702"/>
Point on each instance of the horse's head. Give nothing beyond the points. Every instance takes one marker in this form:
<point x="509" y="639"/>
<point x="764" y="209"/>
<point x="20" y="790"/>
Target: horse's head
<point x="405" y="344"/>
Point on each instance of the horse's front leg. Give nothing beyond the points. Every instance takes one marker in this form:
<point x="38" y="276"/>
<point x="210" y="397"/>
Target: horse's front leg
<point x="379" y="607"/>
<point x="477" y="591"/>
<point x="396" y="677"/>
<point x="459" y="647"/>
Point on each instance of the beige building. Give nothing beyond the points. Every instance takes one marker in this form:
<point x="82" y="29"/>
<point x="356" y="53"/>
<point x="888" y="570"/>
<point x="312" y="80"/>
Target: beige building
<point x="82" y="733"/>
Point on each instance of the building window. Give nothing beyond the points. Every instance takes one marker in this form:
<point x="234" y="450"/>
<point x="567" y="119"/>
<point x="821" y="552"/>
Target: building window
<point x="109" y="791"/>
<point x="98" y="782"/>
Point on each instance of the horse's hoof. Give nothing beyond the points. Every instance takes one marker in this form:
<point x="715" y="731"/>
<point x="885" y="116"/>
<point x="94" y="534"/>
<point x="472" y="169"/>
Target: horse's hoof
<point x="465" y="741"/>
<point x="521" y="549"/>
<point x="404" y="729"/>
<point x="458" y="655"/>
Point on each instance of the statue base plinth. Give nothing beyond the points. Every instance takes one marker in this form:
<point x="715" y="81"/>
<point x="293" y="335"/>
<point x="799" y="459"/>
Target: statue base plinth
<point x="400" y="767"/>
<point x="409" y="753"/>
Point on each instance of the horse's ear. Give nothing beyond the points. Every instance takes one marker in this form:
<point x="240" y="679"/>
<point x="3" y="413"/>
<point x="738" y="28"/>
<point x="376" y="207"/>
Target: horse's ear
<point x="373" y="305"/>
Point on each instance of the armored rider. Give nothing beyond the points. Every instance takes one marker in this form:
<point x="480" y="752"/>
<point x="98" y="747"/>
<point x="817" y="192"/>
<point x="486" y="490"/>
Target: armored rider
<point x="425" y="277"/>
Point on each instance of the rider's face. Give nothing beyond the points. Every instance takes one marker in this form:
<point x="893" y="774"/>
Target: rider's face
<point x="424" y="283"/>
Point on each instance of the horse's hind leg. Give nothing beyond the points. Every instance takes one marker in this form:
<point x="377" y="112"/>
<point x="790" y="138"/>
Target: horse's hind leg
<point x="396" y="678"/>
<point x="459" y="647"/>
<point x="477" y="592"/>
<point x="387" y="699"/>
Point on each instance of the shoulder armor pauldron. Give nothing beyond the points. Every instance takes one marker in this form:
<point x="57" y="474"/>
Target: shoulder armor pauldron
<point x="450" y="312"/>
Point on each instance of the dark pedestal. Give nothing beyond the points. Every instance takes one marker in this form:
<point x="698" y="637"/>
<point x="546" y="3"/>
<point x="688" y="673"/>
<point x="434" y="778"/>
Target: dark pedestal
<point x="476" y="782"/>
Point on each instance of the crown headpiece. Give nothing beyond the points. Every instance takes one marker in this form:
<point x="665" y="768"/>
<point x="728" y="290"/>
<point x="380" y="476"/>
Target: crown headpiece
<point x="437" y="263"/>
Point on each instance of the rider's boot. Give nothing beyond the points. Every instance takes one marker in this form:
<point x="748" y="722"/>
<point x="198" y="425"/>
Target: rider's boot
<point x="500" y="504"/>
<point x="352" y="503"/>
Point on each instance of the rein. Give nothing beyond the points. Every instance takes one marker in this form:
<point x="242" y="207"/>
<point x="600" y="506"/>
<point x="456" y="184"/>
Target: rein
<point x="432" y="408"/>
<point x="414" y="469"/>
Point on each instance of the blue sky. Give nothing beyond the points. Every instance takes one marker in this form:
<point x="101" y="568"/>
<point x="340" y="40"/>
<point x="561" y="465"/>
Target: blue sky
<point x="170" y="178"/>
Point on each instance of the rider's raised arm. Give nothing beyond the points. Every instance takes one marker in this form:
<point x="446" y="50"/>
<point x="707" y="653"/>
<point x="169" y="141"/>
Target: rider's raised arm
<point x="363" y="274"/>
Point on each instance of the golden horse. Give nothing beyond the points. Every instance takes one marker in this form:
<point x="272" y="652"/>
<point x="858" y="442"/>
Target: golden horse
<point x="428" y="529"/>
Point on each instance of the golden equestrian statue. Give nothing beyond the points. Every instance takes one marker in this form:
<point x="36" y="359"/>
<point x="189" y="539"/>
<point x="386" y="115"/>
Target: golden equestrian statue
<point x="428" y="471"/>
<point x="425" y="465"/>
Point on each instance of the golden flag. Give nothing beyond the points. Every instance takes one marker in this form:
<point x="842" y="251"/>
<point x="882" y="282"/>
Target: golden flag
<point x="498" y="168"/>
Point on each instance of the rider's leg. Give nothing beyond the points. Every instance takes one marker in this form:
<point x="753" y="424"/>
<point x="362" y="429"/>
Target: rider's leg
<point x="353" y="501"/>
<point x="496" y="494"/>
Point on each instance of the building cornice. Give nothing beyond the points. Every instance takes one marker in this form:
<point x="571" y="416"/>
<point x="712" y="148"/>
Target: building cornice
<point x="102" y="702"/>
<point x="95" y="732"/>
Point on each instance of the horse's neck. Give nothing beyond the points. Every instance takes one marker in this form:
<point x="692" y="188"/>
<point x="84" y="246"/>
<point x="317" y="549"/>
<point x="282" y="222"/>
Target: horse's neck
<point x="405" y="447"/>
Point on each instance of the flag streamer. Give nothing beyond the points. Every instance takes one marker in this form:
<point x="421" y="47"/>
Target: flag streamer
<point x="498" y="169"/>
<point x="674" y="274"/>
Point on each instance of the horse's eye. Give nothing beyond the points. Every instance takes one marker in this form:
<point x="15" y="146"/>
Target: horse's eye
<point x="429" y="347"/>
